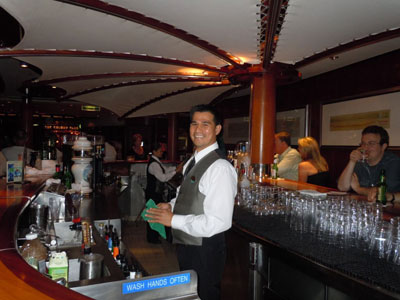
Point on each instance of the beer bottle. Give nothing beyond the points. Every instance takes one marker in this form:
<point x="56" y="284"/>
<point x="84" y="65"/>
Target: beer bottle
<point x="274" y="169"/>
<point x="381" y="197"/>
<point x="67" y="177"/>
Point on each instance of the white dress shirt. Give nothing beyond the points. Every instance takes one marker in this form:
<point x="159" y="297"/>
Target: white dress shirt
<point x="219" y="185"/>
<point x="288" y="163"/>
<point x="155" y="169"/>
<point x="110" y="152"/>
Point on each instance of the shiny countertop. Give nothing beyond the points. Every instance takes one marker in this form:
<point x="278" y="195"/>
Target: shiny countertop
<point x="17" y="279"/>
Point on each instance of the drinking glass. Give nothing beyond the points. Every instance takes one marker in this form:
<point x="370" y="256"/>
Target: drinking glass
<point x="363" y="156"/>
<point x="76" y="204"/>
<point x="54" y="205"/>
<point x="381" y="236"/>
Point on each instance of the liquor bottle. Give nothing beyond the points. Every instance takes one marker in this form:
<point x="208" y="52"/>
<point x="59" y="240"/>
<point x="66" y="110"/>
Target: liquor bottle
<point x="274" y="168"/>
<point x="106" y="236"/>
<point x="381" y="196"/>
<point x="58" y="174"/>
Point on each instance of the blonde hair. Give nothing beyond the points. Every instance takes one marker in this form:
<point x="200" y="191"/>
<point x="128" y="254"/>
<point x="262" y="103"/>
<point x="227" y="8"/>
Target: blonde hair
<point x="311" y="153"/>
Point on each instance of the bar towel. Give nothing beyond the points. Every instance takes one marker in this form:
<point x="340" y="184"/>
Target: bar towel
<point x="155" y="226"/>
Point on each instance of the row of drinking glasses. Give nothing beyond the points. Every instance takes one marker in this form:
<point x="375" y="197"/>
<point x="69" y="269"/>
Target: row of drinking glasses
<point x="262" y="200"/>
<point x="336" y="220"/>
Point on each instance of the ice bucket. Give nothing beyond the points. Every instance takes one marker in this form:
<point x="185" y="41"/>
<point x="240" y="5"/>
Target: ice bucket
<point x="91" y="266"/>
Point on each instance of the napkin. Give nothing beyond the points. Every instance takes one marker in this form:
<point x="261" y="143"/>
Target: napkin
<point x="155" y="226"/>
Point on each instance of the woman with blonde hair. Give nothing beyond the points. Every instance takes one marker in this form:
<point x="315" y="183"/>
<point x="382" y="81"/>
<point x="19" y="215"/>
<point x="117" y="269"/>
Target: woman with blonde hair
<point x="314" y="168"/>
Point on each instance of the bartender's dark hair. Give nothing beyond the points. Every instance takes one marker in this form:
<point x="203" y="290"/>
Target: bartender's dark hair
<point x="157" y="146"/>
<point x="378" y="130"/>
<point x="206" y="108"/>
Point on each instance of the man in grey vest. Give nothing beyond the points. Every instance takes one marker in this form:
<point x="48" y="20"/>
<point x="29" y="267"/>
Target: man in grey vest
<point x="203" y="209"/>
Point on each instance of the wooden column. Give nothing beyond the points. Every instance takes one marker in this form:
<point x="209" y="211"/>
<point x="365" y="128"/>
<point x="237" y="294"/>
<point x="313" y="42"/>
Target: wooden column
<point x="172" y="136"/>
<point x="262" y="118"/>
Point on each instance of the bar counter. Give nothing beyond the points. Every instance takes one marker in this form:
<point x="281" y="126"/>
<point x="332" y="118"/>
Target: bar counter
<point x="17" y="279"/>
<point x="295" y="265"/>
<point x="354" y="274"/>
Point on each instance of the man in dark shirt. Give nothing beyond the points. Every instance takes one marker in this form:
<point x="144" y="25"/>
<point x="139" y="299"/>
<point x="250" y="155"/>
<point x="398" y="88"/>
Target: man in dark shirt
<point x="366" y="162"/>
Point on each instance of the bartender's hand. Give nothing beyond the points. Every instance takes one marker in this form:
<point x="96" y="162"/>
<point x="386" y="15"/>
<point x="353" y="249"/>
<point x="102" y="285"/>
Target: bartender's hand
<point x="160" y="215"/>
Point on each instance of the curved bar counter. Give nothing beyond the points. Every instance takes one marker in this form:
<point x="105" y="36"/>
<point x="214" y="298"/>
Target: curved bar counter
<point x="289" y="261"/>
<point x="17" y="279"/>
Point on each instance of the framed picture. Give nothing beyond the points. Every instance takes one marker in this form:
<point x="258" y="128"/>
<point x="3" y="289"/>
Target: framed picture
<point x="293" y="121"/>
<point x="235" y="130"/>
<point x="343" y="122"/>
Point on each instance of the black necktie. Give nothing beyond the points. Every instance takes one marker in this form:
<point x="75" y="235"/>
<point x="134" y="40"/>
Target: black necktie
<point x="189" y="167"/>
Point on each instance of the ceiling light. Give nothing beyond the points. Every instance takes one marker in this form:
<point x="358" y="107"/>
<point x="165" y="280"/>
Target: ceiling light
<point x="24" y="66"/>
<point x="53" y="87"/>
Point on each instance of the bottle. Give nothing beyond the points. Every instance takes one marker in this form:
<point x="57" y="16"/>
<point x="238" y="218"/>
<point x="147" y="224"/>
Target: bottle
<point x="381" y="196"/>
<point x="274" y="168"/>
<point x="33" y="251"/>
<point x="67" y="177"/>
<point x="58" y="174"/>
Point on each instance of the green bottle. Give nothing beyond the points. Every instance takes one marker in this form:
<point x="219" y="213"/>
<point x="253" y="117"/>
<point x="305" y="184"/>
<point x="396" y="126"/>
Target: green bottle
<point x="382" y="187"/>
<point x="67" y="177"/>
<point x="274" y="168"/>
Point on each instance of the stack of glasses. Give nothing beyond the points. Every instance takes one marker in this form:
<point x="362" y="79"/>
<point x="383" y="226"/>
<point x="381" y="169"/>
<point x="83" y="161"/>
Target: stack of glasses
<point x="333" y="219"/>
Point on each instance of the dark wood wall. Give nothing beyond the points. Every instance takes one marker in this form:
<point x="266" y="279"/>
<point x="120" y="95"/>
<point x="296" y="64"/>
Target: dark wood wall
<point x="375" y="76"/>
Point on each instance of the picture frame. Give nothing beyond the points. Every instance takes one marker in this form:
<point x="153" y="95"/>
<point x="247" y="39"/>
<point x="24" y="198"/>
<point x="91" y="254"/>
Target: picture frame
<point x="343" y="122"/>
<point x="294" y="121"/>
<point x="236" y="129"/>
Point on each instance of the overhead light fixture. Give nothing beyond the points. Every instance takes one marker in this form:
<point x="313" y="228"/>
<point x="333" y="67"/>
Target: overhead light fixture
<point x="53" y="87"/>
<point x="90" y="108"/>
<point x="24" y="66"/>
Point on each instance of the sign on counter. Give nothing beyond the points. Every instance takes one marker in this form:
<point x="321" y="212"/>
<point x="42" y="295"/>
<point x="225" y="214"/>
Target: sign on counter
<point x="155" y="283"/>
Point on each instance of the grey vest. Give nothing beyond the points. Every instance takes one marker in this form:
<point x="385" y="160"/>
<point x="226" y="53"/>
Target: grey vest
<point x="190" y="199"/>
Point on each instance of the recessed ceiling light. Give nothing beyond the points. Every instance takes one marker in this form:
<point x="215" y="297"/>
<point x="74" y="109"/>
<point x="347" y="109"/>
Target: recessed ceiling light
<point x="24" y="66"/>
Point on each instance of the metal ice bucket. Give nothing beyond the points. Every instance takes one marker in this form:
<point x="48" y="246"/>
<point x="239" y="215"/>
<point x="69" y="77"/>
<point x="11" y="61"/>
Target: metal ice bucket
<point x="91" y="266"/>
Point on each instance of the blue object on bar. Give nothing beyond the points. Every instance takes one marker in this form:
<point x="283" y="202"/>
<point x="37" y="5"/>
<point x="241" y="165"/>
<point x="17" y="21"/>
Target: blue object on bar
<point x="155" y="283"/>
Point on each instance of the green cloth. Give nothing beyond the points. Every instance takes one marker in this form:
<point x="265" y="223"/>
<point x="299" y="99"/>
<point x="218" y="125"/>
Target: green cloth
<point x="155" y="226"/>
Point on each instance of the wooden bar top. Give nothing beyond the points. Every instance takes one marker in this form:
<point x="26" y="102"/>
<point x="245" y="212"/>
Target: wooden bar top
<point x="19" y="281"/>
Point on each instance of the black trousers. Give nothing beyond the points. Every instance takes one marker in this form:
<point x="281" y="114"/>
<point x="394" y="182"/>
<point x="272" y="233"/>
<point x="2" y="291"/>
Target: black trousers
<point x="208" y="261"/>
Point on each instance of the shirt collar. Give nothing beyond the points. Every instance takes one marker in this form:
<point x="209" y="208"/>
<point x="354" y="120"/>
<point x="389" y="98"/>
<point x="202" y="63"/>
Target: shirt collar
<point x="284" y="152"/>
<point x="155" y="158"/>
<point x="205" y="151"/>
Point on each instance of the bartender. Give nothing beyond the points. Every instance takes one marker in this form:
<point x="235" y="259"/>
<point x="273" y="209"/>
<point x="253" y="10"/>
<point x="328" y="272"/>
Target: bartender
<point x="157" y="175"/>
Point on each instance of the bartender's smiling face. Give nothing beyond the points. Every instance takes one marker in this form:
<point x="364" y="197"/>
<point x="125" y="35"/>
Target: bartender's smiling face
<point x="203" y="130"/>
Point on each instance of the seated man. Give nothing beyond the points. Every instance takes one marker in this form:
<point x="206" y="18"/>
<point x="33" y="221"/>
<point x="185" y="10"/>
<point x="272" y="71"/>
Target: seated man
<point x="362" y="171"/>
<point x="288" y="158"/>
